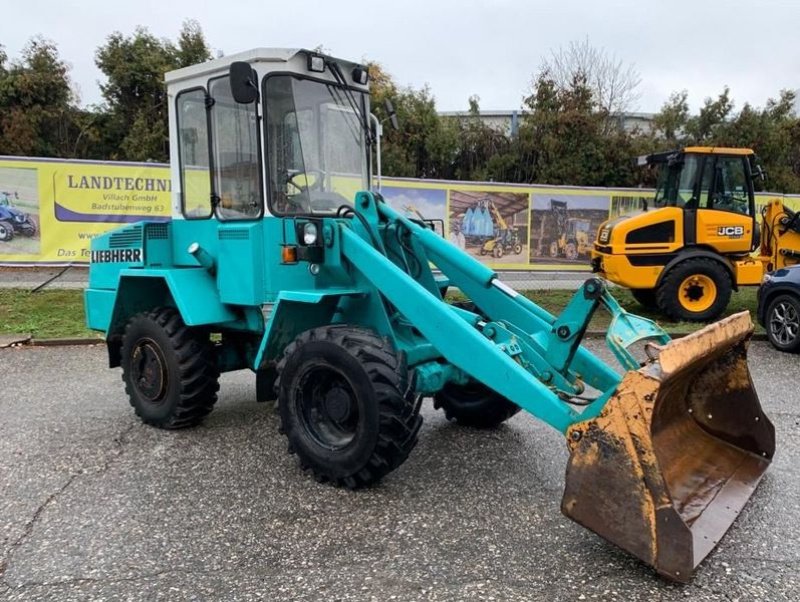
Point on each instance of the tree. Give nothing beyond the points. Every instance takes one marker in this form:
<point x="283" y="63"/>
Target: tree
<point x="613" y="83"/>
<point x="564" y="139"/>
<point x="135" y="93"/>
<point x="37" y="104"/>
<point x="425" y="145"/>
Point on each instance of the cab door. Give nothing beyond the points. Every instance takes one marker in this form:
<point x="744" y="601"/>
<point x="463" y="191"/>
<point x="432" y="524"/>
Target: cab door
<point x="725" y="211"/>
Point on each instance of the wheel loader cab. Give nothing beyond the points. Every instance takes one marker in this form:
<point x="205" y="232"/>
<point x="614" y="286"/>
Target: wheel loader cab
<point x="703" y="213"/>
<point x="262" y="143"/>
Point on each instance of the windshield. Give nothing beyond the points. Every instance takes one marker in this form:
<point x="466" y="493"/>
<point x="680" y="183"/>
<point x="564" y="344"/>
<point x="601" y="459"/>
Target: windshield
<point x="676" y="182"/>
<point x="316" y="145"/>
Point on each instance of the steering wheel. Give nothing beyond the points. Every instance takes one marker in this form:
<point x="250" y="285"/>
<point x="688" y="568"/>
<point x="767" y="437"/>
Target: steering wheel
<point x="319" y="178"/>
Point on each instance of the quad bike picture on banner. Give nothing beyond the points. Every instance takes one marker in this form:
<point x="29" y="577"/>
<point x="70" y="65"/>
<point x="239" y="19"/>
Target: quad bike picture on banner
<point x="490" y="226"/>
<point x="19" y="211"/>
<point x="427" y="205"/>
<point x="563" y="227"/>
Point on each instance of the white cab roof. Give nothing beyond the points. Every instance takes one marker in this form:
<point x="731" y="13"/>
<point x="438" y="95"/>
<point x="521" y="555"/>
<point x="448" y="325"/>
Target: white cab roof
<point x="256" y="55"/>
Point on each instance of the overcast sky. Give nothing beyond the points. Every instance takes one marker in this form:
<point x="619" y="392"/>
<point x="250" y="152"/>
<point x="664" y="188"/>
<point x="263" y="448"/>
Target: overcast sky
<point x="459" y="48"/>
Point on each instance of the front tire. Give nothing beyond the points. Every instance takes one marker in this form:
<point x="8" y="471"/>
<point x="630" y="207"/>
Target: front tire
<point x="169" y="370"/>
<point x="6" y="231"/>
<point x="474" y="405"/>
<point x="497" y="252"/>
<point x="345" y="405"/>
<point x="695" y="290"/>
<point x="783" y="323"/>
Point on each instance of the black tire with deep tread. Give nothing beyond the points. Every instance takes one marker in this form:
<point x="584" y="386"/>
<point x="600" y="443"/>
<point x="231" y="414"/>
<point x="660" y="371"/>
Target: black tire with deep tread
<point x="192" y="372"/>
<point x="646" y="297"/>
<point x="667" y="294"/>
<point x="474" y="405"/>
<point x="388" y="419"/>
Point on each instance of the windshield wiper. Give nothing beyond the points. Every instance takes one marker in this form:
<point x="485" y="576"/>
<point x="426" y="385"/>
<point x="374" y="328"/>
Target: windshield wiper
<point x="348" y="93"/>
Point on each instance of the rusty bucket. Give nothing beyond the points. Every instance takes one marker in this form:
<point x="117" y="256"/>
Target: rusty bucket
<point x="666" y="467"/>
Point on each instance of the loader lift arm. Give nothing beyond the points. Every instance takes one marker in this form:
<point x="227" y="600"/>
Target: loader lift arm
<point x="542" y="364"/>
<point x="629" y="478"/>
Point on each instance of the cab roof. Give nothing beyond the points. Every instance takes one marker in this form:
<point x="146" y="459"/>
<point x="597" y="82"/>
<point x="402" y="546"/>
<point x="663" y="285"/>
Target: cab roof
<point x="667" y="156"/>
<point x="256" y="55"/>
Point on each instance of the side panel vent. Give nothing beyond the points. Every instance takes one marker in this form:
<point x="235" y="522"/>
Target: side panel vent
<point x="234" y="234"/>
<point x="130" y="237"/>
<point x="157" y="232"/>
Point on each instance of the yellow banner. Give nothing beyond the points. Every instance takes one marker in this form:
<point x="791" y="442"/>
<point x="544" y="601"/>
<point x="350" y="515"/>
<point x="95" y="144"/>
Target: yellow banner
<point x="51" y="209"/>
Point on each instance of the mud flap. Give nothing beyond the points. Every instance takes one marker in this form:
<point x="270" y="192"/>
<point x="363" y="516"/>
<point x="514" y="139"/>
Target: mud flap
<point x="666" y="467"/>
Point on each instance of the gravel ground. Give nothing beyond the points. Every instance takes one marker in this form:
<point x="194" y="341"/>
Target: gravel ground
<point x="93" y="505"/>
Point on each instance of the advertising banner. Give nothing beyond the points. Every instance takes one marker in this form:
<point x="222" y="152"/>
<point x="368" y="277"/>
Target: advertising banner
<point x="50" y="209"/>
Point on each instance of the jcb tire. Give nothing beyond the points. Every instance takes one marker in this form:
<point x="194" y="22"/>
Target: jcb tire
<point x="646" y="297"/>
<point x="345" y="405"/>
<point x="474" y="405"/>
<point x="169" y="370"/>
<point x="782" y="323"/>
<point x="6" y="231"/>
<point x="695" y="290"/>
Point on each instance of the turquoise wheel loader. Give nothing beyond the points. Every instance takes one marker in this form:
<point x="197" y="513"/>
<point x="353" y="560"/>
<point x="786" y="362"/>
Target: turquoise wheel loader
<point x="279" y="259"/>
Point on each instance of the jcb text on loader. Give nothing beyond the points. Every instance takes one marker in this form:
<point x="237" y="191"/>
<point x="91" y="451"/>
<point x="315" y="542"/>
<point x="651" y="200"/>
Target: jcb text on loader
<point x="275" y="263"/>
<point x="686" y="254"/>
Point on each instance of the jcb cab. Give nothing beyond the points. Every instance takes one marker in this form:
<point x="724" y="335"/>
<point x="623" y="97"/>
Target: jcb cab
<point x="687" y="253"/>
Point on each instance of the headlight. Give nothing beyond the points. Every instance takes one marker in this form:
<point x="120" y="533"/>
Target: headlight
<point x="605" y="235"/>
<point x="309" y="234"/>
<point x="766" y="278"/>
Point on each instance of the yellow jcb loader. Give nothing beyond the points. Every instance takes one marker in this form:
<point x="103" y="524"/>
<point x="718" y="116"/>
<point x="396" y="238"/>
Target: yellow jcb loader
<point x="687" y="253"/>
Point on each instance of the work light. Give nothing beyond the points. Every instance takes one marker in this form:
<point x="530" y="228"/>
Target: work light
<point x="309" y="233"/>
<point x="316" y="63"/>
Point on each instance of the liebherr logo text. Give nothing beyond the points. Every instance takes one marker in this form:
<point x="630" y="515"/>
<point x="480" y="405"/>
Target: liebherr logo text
<point x="732" y="231"/>
<point x="117" y="256"/>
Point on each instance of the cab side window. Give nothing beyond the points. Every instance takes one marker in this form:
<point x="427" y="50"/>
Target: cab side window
<point x="237" y="185"/>
<point x="193" y="154"/>
<point x="729" y="188"/>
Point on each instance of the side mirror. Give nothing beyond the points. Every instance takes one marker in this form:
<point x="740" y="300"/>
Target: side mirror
<point x="392" y="114"/>
<point x="244" y="82"/>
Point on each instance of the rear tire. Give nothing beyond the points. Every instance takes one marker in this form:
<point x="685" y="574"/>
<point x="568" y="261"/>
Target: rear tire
<point x="646" y="297"/>
<point x="474" y="405"/>
<point x="782" y="323"/>
<point x="497" y="252"/>
<point x="345" y="405"/>
<point x="6" y="231"/>
<point x="517" y="249"/>
<point x="169" y="370"/>
<point x="695" y="290"/>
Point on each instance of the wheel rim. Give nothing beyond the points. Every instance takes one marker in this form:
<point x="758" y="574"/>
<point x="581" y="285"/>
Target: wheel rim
<point x="327" y="406"/>
<point x="784" y="323"/>
<point x="697" y="293"/>
<point x="149" y="371"/>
